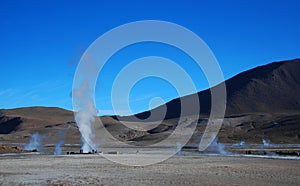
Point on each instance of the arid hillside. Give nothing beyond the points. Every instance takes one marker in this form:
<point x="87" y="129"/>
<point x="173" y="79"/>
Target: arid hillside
<point x="262" y="103"/>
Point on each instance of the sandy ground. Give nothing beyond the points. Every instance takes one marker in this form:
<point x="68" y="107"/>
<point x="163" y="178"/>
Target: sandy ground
<point x="178" y="170"/>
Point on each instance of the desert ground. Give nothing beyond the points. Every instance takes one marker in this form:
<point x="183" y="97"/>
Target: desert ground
<point x="197" y="169"/>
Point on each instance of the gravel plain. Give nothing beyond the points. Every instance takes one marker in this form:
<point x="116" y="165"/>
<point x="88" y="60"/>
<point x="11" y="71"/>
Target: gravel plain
<point x="35" y="169"/>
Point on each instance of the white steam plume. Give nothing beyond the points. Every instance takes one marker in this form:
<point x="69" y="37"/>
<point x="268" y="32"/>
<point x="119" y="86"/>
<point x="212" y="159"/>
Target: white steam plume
<point x="217" y="147"/>
<point x="35" y="142"/>
<point x="84" y="119"/>
<point x="57" y="150"/>
<point x="83" y="102"/>
<point x="179" y="147"/>
<point x="85" y="116"/>
<point x="266" y="143"/>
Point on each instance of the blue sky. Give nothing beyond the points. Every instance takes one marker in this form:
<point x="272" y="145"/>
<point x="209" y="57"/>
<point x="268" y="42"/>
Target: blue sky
<point x="41" y="43"/>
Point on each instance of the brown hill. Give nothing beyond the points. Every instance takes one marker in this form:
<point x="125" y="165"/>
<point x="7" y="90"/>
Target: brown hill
<point x="17" y="125"/>
<point x="32" y="118"/>
<point x="54" y="114"/>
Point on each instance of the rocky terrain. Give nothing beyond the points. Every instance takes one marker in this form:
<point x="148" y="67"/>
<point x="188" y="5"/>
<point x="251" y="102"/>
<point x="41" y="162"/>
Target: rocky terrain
<point x="15" y="149"/>
<point x="178" y="170"/>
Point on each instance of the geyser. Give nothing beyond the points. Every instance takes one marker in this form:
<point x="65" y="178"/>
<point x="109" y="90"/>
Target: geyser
<point x="35" y="142"/>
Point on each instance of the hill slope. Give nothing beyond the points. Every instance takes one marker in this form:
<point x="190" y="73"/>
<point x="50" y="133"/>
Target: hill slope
<point x="262" y="103"/>
<point x="17" y="125"/>
<point x="268" y="89"/>
<point x="272" y="88"/>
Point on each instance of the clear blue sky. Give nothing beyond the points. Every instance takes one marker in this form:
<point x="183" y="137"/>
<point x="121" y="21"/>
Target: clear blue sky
<point x="41" y="43"/>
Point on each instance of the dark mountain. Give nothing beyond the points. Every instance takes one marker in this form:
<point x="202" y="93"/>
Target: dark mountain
<point x="272" y="88"/>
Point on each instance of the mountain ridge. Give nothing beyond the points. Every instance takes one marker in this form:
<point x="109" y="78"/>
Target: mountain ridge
<point x="254" y="85"/>
<point x="263" y="102"/>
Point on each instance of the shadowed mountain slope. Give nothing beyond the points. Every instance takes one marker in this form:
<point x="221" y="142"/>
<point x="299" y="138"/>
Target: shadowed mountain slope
<point x="272" y="88"/>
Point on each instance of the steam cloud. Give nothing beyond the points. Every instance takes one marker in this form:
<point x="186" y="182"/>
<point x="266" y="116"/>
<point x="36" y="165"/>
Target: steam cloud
<point x="35" y="142"/>
<point x="219" y="148"/>
<point x="266" y="143"/>
<point x="84" y="119"/>
<point x="57" y="150"/>
<point x="179" y="147"/>
<point x="240" y="144"/>
<point x="86" y="111"/>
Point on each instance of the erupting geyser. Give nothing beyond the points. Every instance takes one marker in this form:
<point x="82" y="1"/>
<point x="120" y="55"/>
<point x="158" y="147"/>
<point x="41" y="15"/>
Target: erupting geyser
<point x="83" y="102"/>
<point x="35" y="142"/>
<point x="84" y="119"/>
<point x="57" y="150"/>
